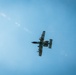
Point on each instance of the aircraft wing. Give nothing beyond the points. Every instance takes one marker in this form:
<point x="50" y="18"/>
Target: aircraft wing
<point x="40" y="49"/>
<point x="41" y="43"/>
<point x="42" y="36"/>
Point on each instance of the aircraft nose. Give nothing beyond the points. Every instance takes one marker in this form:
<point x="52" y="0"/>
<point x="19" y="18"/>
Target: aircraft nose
<point x="32" y="42"/>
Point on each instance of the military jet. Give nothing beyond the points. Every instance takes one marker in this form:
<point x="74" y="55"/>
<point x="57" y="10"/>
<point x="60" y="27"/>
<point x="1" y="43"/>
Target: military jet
<point x="43" y="43"/>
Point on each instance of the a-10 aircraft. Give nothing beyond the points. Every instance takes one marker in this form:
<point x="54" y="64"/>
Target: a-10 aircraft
<point x="43" y="43"/>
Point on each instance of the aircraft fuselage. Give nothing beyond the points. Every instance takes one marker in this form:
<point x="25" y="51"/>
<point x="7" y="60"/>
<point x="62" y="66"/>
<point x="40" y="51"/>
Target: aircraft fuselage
<point x="44" y="43"/>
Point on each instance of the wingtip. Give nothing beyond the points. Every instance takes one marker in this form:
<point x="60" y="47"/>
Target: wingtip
<point x="43" y="31"/>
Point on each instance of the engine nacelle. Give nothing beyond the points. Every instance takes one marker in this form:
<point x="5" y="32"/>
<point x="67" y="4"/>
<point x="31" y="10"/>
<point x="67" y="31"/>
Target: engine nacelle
<point x="45" y="43"/>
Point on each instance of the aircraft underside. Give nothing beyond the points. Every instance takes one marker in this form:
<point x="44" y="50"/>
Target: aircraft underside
<point x="43" y="43"/>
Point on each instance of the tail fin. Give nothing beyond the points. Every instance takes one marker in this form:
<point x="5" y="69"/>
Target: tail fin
<point x="50" y="43"/>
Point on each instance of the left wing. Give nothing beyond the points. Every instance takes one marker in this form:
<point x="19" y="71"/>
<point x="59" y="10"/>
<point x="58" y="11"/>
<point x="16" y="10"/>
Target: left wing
<point x="42" y="36"/>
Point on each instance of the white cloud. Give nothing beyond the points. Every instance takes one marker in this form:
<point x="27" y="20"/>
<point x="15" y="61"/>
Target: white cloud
<point x="27" y="30"/>
<point x="3" y="15"/>
<point x="17" y="24"/>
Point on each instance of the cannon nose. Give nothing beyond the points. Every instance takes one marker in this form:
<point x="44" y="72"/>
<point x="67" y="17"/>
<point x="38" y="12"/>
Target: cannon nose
<point x="32" y="42"/>
<point x="35" y="42"/>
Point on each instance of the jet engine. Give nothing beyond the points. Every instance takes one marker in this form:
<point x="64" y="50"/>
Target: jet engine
<point x="48" y="43"/>
<point x="45" y="44"/>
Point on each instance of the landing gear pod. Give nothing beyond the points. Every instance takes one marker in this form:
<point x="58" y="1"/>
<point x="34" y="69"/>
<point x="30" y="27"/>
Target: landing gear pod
<point x="50" y="43"/>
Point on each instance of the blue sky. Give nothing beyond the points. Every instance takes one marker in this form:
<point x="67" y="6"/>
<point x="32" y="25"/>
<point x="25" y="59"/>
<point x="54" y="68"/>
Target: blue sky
<point x="22" y="21"/>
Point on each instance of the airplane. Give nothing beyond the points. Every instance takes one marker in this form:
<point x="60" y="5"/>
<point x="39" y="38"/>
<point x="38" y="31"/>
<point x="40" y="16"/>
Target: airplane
<point x="43" y="43"/>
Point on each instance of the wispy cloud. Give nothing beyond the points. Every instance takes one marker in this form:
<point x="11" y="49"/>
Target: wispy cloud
<point x="17" y="24"/>
<point x="5" y="16"/>
<point x="27" y="30"/>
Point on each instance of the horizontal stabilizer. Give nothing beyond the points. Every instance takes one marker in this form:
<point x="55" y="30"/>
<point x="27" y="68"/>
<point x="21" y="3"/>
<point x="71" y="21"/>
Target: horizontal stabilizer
<point x="50" y="43"/>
